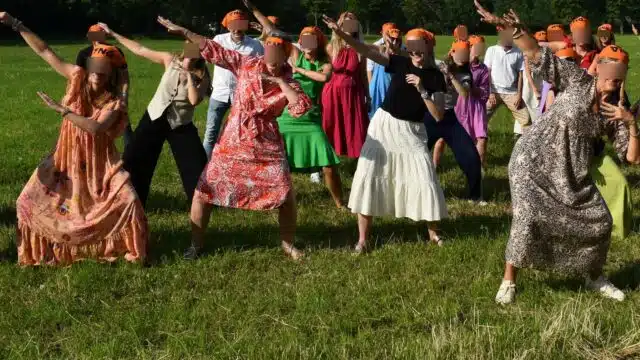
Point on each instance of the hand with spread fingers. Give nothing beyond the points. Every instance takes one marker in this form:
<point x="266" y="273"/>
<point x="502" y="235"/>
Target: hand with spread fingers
<point x="511" y="18"/>
<point x="415" y="81"/>
<point x="331" y="24"/>
<point x="487" y="16"/>
<point x="616" y="112"/>
<point x="256" y="26"/>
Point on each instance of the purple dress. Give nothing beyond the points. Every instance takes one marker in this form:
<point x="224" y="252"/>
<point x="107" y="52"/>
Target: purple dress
<point x="472" y="110"/>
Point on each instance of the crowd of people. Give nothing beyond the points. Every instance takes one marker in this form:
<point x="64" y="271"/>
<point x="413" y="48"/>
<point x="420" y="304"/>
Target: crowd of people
<point x="296" y="103"/>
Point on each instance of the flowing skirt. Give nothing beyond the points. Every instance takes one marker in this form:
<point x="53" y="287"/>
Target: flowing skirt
<point x="395" y="175"/>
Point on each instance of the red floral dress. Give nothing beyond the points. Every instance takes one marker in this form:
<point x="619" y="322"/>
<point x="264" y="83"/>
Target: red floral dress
<point x="248" y="167"/>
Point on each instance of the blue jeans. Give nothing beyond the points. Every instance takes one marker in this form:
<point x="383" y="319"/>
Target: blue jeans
<point x="217" y="110"/>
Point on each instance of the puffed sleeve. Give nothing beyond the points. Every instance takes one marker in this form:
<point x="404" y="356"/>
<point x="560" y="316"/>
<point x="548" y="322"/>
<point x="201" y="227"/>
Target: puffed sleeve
<point x="216" y="54"/>
<point x="302" y="105"/>
<point x="562" y="73"/>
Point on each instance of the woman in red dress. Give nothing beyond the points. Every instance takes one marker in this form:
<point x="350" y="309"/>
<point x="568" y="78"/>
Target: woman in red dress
<point x="345" y="97"/>
<point x="248" y="168"/>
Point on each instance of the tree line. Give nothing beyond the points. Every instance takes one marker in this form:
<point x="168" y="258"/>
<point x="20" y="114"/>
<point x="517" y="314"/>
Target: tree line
<point x="70" y="18"/>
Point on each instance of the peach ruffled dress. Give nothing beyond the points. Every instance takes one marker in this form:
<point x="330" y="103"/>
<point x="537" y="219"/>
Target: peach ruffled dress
<point x="79" y="203"/>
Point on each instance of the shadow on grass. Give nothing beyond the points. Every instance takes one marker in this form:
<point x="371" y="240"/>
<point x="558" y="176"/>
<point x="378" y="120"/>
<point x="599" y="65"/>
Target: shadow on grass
<point x="168" y="245"/>
<point x="7" y="216"/>
<point x="160" y="201"/>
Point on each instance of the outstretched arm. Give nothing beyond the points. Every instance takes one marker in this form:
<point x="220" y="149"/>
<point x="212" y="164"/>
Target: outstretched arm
<point x="363" y="49"/>
<point x="159" y="57"/>
<point x="38" y="46"/>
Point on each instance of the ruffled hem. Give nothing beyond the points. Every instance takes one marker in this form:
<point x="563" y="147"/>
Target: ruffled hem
<point x="37" y="249"/>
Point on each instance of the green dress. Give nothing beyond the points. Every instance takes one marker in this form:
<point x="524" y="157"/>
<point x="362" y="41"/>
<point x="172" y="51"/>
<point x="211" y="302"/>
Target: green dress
<point x="616" y="193"/>
<point x="305" y="142"/>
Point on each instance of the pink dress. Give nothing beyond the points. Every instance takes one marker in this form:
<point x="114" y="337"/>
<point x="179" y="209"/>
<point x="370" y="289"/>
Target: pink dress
<point x="248" y="168"/>
<point x="79" y="203"/>
<point x="344" y="110"/>
<point x="472" y="110"/>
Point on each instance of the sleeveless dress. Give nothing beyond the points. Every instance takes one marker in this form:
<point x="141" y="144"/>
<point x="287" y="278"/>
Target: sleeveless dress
<point x="305" y="142"/>
<point x="79" y="202"/>
<point x="344" y="110"/>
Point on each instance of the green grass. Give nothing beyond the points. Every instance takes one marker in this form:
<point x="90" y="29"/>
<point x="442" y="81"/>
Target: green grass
<point x="246" y="300"/>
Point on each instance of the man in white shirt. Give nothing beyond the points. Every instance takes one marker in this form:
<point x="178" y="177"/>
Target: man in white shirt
<point x="506" y="65"/>
<point x="224" y="82"/>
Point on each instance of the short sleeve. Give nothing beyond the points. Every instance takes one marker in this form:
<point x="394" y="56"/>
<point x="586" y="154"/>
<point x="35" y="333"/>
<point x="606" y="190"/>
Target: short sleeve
<point x="397" y="64"/>
<point x="370" y="65"/>
<point x="521" y="64"/>
<point x="488" y="57"/>
<point x="561" y="73"/>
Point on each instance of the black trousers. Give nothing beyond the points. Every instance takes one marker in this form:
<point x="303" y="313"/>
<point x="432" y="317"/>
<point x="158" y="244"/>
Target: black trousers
<point x="141" y="155"/>
<point x="464" y="150"/>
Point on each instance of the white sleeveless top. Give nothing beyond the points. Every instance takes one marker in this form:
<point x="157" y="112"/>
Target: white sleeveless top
<point x="173" y="97"/>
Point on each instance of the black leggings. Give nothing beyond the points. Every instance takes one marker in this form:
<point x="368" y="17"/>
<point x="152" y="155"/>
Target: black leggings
<point x="464" y="150"/>
<point x="141" y="155"/>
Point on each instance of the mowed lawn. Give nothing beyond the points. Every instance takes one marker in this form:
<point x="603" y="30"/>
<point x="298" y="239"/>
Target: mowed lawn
<point x="246" y="300"/>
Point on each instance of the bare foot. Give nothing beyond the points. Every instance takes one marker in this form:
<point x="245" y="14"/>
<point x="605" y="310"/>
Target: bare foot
<point x="292" y="252"/>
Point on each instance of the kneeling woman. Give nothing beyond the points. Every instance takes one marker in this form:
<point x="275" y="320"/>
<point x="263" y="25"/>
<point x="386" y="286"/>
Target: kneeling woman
<point x="395" y="175"/>
<point x="248" y="168"/>
<point x="169" y="117"/>
<point x="79" y="202"/>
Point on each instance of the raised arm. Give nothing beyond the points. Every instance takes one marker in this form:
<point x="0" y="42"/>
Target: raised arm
<point x="38" y="46"/>
<point x="159" y="57"/>
<point x="363" y="49"/>
<point x="211" y="51"/>
<point x="268" y="28"/>
<point x="541" y="59"/>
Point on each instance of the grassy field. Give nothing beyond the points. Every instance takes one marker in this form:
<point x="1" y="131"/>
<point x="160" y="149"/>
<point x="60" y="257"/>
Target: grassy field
<point x="245" y="300"/>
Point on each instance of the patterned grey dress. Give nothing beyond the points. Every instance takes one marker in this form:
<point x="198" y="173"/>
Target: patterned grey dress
<point x="560" y="221"/>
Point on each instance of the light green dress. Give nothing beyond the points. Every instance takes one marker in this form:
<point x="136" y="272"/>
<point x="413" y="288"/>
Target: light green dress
<point x="306" y="144"/>
<point x="615" y="191"/>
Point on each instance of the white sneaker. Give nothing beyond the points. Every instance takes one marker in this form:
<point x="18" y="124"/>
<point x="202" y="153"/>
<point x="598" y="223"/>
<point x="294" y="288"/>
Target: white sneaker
<point x="316" y="178"/>
<point x="507" y="293"/>
<point x="605" y="288"/>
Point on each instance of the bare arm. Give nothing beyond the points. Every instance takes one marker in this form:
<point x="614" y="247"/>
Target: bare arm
<point x="633" y="150"/>
<point x="364" y="50"/>
<point x="323" y="76"/>
<point x="520" y="84"/>
<point x="460" y="88"/>
<point x="39" y="46"/>
<point x="436" y="106"/>
<point x="159" y="57"/>
<point x="267" y="26"/>
<point x="91" y="126"/>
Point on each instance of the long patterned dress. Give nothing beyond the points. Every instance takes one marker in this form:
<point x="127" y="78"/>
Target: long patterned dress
<point x="560" y="221"/>
<point x="248" y="168"/>
<point x="79" y="203"/>
<point x="344" y="109"/>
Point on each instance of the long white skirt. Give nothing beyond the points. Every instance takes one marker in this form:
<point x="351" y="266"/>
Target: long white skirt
<point x="395" y="175"/>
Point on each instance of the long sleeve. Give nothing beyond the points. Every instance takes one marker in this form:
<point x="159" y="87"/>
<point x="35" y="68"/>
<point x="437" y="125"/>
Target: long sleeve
<point x="214" y="53"/>
<point x="559" y="72"/>
<point x="483" y="83"/>
<point x="303" y="104"/>
<point x="618" y="134"/>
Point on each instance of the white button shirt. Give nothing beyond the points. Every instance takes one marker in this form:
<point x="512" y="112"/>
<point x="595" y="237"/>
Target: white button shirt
<point x="505" y="67"/>
<point x="224" y="82"/>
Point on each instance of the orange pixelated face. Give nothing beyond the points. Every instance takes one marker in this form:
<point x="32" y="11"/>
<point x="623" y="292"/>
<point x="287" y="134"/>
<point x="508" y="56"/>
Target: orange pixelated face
<point x="461" y="52"/>
<point x="541" y="36"/>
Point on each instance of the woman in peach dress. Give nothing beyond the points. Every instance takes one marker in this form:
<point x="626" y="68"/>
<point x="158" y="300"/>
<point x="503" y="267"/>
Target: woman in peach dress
<point x="79" y="203"/>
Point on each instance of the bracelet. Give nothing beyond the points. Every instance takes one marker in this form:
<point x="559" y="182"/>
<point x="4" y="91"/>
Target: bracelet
<point x="16" y="24"/>
<point x="425" y="95"/>
<point x="66" y="112"/>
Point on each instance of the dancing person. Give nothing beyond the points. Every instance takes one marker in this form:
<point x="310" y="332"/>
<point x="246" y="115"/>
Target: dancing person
<point x="97" y="37"/>
<point x="79" y="203"/>
<point x="472" y="110"/>
<point x="583" y="42"/>
<point x="379" y="79"/>
<point x="458" y="82"/>
<point x="506" y="64"/>
<point x="248" y="168"/>
<point x="345" y="97"/>
<point x="395" y="175"/>
<point x="307" y="146"/>
<point x="168" y="117"/>
<point x="605" y="37"/>
<point x="548" y="92"/>
<point x="560" y="221"/>
<point x="224" y="82"/>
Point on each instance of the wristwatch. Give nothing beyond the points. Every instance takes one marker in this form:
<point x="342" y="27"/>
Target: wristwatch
<point x="425" y="95"/>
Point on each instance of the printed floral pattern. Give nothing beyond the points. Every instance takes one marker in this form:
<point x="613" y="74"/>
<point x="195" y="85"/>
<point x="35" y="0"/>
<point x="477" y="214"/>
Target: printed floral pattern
<point x="73" y="208"/>
<point x="248" y="167"/>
